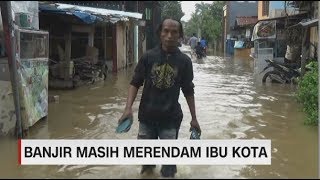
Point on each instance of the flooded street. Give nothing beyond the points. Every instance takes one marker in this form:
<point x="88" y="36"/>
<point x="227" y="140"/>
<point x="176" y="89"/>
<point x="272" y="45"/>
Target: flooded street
<point x="231" y="103"/>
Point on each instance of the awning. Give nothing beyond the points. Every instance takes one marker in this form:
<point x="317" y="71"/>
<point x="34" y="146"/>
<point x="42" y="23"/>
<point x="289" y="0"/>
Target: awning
<point x="306" y="23"/>
<point x="313" y="22"/>
<point x="89" y="15"/>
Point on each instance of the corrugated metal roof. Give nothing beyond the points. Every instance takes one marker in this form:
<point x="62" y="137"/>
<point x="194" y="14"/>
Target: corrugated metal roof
<point x="246" y="20"/>
<point x="306" y="23"/>
<point x="89" y="14"/>
<point x="100" y="11"/>
<point x="313" y="22"/>
<point x="83" y="16"/>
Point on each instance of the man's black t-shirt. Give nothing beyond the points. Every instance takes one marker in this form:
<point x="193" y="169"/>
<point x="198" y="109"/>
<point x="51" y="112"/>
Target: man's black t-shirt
<point x="163" y="74"/>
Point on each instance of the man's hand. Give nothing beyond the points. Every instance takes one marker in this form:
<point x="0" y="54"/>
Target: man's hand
<point x="194" y="123"/>
<point x="127" y="113"/>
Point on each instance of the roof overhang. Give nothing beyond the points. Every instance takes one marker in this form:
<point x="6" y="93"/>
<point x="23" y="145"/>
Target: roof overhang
<point x="306" y="23"/>
<point x="89" y="15"/>
<point x="297" y="16"/>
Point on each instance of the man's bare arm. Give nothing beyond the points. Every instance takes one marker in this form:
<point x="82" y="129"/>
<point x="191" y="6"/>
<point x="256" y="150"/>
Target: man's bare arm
<point x="132" y="94"/>
<point x="191" y="103"/>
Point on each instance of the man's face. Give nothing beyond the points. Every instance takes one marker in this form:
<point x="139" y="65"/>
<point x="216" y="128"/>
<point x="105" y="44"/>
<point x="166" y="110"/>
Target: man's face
<point x="170" y="35"/>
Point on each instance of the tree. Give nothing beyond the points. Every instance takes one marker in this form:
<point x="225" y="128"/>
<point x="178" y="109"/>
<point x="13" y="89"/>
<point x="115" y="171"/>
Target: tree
<point x="171" y="9"/>
<point x="207" y="17"/>
<point x="192" y="25"/>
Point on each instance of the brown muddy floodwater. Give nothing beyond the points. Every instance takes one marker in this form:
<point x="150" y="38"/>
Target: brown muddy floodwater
<point x="231" y="104"/>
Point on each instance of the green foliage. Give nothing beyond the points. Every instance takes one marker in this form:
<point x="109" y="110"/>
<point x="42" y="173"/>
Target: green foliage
<point x="171" y="9"/>
<point x="207" y="17"/>
<point x="307" y="93"/>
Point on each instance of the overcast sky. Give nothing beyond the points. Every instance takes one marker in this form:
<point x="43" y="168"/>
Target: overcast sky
<point x="188" y="7"/>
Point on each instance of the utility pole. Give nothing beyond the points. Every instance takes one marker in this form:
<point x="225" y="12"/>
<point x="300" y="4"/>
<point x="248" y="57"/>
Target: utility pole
<point x="199" y="26"/>
<point x="199" y="33"/>
<point x="136" y="37"/>
<point x="10" y="44"/>
<point x="318" y="89"/>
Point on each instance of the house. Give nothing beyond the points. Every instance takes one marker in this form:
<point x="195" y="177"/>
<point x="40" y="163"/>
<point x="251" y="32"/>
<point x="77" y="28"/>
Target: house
<point x="310" y="30"/>
<point x="312" y="8"/>
<point x="81" y="33"/>
<point x="244" y="25"/>
<point x="286" y="22"/>
<point x="232" y="10"/>
<point x="274" y="9"/>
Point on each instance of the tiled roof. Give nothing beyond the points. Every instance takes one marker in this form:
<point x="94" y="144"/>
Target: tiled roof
<point x="246" y="20"/>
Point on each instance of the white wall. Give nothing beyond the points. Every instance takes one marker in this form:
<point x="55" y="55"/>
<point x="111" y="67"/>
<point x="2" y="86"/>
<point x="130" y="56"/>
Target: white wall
<point x="29" y="7"/>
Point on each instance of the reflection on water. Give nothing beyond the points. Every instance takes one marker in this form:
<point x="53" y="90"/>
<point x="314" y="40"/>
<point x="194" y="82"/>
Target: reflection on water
<point x="231" y="104"/>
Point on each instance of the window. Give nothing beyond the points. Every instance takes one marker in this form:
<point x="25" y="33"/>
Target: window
<point x="265" y="8"/>
<point x="2" y="40"/>
<point x="148" y="14"/>
<point x="2" y="45"/>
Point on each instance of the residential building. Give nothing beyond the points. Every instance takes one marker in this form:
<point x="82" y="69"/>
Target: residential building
<point x="232" y="10"/>
<point x="273" y="9"/>
<point x="293" y="25"/>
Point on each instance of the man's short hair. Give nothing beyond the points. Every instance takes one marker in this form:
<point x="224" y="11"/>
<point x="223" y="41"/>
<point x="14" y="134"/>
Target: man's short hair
<point x="180" y="26"/>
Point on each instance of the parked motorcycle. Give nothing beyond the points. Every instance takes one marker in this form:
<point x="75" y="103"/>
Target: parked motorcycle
<point x="281" y="73"/>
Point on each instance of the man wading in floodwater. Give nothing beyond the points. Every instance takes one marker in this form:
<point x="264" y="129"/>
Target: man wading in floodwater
<point x="163" y="70"/>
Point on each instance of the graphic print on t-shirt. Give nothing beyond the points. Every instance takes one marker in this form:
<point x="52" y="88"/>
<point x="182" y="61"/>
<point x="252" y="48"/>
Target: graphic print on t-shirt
<point x="163" y="75"/>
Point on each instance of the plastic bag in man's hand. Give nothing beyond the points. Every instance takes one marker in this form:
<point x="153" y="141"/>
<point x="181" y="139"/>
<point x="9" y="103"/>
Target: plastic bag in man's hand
<point x="125" y="125"/>
<point x="195" y="134"/>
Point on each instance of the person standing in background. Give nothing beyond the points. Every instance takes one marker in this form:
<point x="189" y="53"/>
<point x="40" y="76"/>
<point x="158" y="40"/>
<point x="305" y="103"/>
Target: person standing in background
<point x="193" y="43"/>
<point x="203" y="44"/>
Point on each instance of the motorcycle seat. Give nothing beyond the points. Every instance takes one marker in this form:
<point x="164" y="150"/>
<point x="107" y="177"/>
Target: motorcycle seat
<point x="290" y="65"/>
